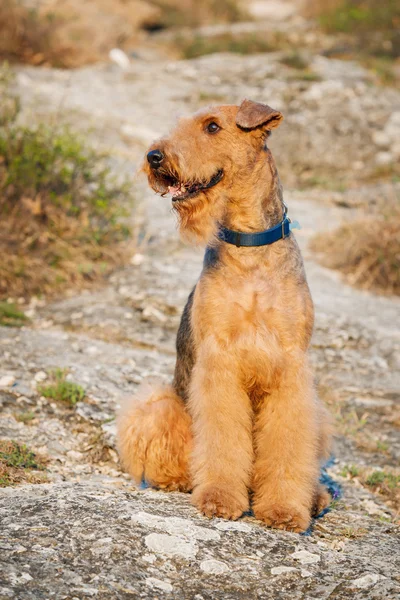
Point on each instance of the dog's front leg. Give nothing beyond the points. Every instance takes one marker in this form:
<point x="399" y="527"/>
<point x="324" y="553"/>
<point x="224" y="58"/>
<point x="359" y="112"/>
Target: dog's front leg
<point x="286" y="441"/>
<point x="222" y="426"/>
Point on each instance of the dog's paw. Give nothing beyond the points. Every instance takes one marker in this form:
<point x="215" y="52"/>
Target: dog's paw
<point x="213" y="501"/>
<point x="322" y="500"/>
<point x="288" y="518"/>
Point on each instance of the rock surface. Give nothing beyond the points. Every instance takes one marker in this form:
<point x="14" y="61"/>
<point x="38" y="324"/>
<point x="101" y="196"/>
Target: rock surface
<point x="89" y="532"/>
<point x="79" y="540"/>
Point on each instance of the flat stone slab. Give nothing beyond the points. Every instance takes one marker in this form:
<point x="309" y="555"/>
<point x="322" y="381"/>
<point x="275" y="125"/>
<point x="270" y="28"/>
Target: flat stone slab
<point x="79" y="540"/>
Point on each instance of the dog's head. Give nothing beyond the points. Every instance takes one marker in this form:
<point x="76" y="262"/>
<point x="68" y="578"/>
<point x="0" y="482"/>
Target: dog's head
<point x="208" y="159"/>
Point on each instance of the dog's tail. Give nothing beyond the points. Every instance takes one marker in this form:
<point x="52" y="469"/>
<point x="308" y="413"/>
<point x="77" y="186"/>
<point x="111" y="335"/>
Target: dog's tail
<point x="154" y="438"/>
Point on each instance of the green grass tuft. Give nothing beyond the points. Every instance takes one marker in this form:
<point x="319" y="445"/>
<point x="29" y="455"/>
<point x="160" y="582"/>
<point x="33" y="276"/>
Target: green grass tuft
<point x="62" y="390"/>
<point x="18" y="464"/>
<point x="18" y="456"/>
<point x="295" y="60"/>
<point x="238" y="44"/>
<point x="10" y="316"/>
<point x="377" y="478"/>
<point x="25" y="417"/>
<point x="351" y="470"/>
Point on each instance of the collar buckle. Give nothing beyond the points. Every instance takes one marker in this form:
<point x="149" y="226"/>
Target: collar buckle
<point x="285" y="219"/>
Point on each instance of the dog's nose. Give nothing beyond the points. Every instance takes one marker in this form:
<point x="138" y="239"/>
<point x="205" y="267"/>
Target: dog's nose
<point x="155" y="158"/>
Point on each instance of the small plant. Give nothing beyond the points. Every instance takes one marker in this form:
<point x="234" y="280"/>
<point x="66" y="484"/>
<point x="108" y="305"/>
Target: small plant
<point x="349" y="470"/>
<point x="238" y="44"/>
<point x="307" y="75"/>
<point x="377" y="478"/>
<point x="295" y="60"/>
<point x="17" y="455"/>
<point x="62" y="390"/>
<point x="25" y="417"/>
<point x="386" y="483"/>
<point x="18" y="464"/>
<point x="382" y="446"/>
<point x="10" y="316"/>
<point x="353" y="532"/>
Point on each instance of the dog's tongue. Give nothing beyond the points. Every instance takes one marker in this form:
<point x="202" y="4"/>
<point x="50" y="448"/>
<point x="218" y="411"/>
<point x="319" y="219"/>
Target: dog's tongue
<point x="173" y="189"/>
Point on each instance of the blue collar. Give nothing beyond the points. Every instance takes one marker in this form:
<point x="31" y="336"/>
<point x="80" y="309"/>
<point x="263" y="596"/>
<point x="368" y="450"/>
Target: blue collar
<point x="261" y="238"/>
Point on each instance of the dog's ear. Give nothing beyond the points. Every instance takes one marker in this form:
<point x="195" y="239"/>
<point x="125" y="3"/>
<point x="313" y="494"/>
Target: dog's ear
<point x="252" y="115"/>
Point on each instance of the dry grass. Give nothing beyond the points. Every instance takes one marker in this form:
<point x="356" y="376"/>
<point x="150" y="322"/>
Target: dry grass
<point x="373" y="26"/>
<point x="193" y="13"/>
<point x="367" y="251"/>
<point x="62" y="212"/>
<point x="71" y="33"/>
<point x="26" y="36"/>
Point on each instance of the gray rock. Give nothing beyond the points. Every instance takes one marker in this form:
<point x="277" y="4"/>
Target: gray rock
<point x="90" y="540"/>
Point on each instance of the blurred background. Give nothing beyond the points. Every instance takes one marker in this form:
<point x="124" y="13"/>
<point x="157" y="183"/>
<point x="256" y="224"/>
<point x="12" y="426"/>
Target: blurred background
<point x="92" y="274"/>
<point x="121" y="71"/>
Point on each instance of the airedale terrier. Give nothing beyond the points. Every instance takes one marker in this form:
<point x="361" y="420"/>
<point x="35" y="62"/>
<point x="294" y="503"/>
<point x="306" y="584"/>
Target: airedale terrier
<point x="241" y="420"/>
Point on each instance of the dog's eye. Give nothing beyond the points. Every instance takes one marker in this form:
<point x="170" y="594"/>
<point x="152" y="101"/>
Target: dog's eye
<point x="212" y="127"/>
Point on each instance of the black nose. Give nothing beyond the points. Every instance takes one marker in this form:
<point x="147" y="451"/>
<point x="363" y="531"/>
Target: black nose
<point x="155" y="158"/>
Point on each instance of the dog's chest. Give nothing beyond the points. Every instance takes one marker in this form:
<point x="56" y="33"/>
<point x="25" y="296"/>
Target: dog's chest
<point x="240" y="312"/>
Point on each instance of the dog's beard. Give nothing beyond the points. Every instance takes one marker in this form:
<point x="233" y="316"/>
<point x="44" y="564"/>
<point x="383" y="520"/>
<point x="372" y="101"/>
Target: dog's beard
<point x="200" y="216"/>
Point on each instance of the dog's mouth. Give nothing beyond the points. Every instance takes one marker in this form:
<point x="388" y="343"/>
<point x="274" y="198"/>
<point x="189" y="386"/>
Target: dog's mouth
<point x="181" y="191"/>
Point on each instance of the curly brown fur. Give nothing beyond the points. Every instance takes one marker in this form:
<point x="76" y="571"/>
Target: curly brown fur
<point x="244" y="406"/>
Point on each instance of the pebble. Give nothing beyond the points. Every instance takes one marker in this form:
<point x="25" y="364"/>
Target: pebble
<point x="119" y="57"/>
<point x="214" y="567"/>
<point x="74" y="455"/>
<point x="281" y="570"/>
<point x="7" y="381"/>
<point x="40" y="376"/>
<point x="150" y="558"/>
<point x="171" y="545"/>
<point x="157" y="583"/>
<point x="305" y="557"/>
<point x="137" y="259"/>
<point x="150" y="312"/>
<point x="383" y="158"/>
<point x="91" y="350"/>
<point x="367" y="580"/>
<point x="233" y="526"/>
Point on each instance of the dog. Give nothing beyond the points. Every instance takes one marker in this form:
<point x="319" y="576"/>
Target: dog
<point x="241" y="423"/>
